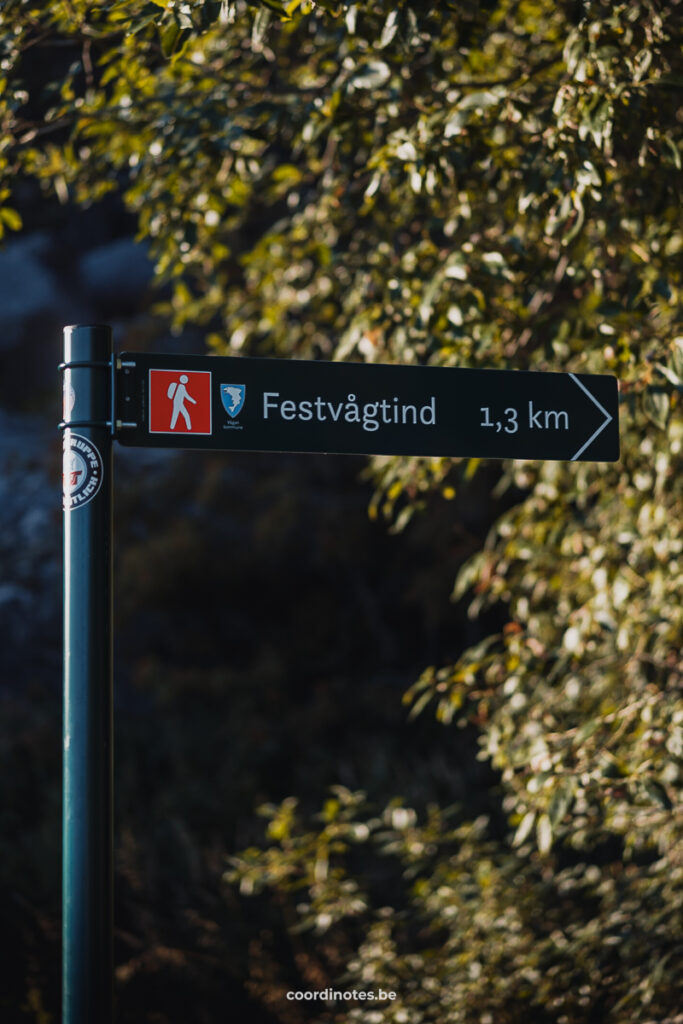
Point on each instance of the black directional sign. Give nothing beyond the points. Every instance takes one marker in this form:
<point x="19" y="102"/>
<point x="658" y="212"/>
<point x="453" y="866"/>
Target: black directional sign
<point x="286" y="405"/>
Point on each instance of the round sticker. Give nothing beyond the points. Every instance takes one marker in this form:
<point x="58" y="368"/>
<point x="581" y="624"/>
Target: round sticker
<point x="82" y="471"/>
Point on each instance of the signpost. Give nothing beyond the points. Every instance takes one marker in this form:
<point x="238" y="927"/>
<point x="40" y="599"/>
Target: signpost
<point x="279" y="405"/>
<point x="87" y="832"/>
<point x="240" y="404"/>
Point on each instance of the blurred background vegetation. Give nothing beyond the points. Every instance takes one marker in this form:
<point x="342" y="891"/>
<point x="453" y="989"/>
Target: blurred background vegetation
<point x="410" y="724"/>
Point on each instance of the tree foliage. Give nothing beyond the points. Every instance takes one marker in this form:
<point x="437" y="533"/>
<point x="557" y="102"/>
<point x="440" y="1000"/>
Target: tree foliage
<point x="485" y="185"/>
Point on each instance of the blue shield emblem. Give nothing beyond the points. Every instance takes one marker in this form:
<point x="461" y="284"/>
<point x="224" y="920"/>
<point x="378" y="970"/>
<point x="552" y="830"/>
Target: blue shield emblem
<point x="232" y="397"/>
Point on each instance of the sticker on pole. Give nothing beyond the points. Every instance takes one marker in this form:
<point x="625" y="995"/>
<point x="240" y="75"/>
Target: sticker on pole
<point x="81" y="471"/>
<point x="180" y="401"/>
<point x="69" y="399"/>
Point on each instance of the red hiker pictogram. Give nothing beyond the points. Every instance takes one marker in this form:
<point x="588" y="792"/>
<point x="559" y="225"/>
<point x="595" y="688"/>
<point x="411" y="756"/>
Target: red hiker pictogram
<point x="180" y="401"/>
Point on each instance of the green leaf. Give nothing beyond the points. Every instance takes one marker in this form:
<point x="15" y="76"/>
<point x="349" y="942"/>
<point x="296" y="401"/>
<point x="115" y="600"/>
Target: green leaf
<point x="480" y="100"/>
<point x="390" y="29"/>
<point x="11" y="218"/>
<point x="408" y="24"/>
<point x="288" y="173"/>
<point x="274" y="5"/>
<point x="524" y="828"/>
<point x="656" y="791"/>
<point x="656" y="405"/>
<point x="370" y="75"/>
<point x="560" y="802"/>
<point x="677" y="357"/>
<point x="670" y="374"/>
<point x="170" y="37"/>
<point x="420" y="704"/>
<point x="544" y="834"/>
<point x="260" y="27"/>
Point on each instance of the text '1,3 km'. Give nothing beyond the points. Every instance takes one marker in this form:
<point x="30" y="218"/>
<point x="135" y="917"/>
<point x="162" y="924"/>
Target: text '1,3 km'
<point x="215" y="402"/>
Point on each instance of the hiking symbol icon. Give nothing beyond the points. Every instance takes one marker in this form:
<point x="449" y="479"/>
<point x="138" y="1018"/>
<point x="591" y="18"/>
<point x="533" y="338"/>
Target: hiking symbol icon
<point x="179" y="401"/>
<point x="179" y="395"/>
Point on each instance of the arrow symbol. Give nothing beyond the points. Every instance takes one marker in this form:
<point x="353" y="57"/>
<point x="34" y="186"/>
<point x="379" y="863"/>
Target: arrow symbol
<point x="608" y="418"/>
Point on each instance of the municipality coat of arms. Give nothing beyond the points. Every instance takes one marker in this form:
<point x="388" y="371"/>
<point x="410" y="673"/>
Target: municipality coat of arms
<point x="232" y="397"/>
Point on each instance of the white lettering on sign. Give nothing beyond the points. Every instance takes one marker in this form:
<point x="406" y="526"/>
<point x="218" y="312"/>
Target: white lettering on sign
<point x="539" y="419"/>
<point x="369" y="415"/>
<point x="551" y="418"/>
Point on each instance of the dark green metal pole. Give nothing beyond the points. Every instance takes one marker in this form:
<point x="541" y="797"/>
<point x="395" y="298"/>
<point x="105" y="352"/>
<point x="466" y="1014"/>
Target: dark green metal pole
<point x="87" y="837"/>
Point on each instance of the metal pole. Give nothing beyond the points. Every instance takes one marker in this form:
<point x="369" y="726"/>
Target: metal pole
<point x="87" y="835"/>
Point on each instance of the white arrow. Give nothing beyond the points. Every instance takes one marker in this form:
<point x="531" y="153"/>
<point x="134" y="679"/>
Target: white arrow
<point x="608" y="418"/>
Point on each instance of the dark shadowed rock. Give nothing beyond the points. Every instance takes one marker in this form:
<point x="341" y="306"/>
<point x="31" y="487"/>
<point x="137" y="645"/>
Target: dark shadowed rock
<point x="27" y="288"/>
<point x="30" y="549"/>
<point x="36" y="299"/>
<point x="117" y="274"/>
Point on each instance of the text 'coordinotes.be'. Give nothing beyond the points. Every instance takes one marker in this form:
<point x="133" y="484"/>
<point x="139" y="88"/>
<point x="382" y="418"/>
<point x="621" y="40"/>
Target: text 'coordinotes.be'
<point x="301" y="406"/>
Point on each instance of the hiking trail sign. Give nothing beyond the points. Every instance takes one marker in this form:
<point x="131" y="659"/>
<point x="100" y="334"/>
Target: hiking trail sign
<point x="240" y="404"/>
<point x="281" y="405"/>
